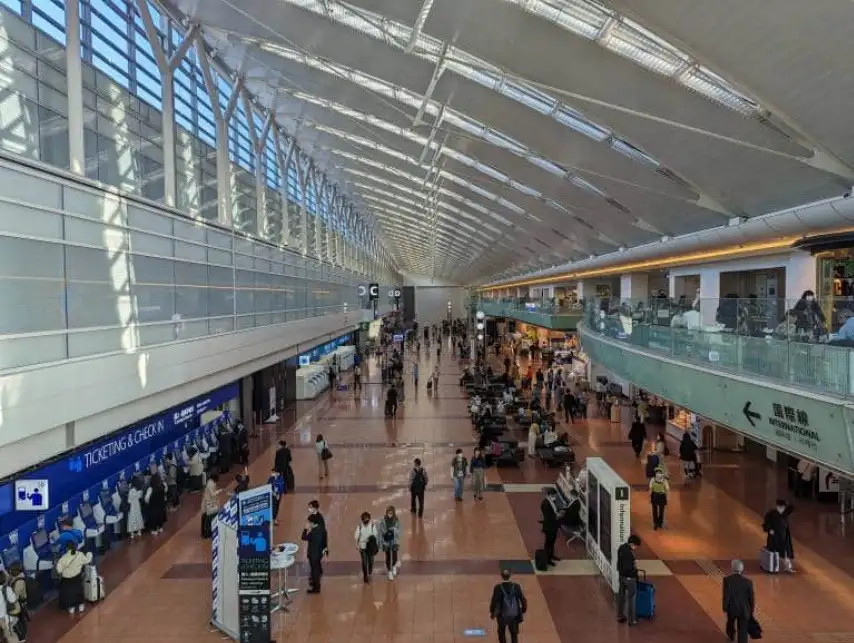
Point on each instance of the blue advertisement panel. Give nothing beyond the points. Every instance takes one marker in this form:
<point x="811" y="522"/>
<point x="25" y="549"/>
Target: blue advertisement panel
<point x="88" y="465"/>
<point x="324" y="349"/>
<point x="255" y="532"/>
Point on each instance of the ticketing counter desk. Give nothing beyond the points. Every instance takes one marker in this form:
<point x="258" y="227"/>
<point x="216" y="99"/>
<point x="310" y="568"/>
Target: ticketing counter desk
<point x="90" y="484"/>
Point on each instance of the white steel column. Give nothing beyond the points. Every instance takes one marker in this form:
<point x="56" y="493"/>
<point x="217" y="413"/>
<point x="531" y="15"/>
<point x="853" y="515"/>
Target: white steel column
<point x="74" y="80"/>
<point x="259" y="143"/>
<point x="303" y="190"/>
<point x="225" y="216"/>
<point x="284" y="161"/>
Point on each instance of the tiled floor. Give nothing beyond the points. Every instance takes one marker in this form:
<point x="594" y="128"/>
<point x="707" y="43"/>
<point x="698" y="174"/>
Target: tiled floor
<point x="159" y="589"/>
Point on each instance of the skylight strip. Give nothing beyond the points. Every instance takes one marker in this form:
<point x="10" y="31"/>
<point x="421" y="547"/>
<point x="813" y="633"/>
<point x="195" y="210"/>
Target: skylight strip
<point x="472" y="67"/>
<point x="632" y="41"/>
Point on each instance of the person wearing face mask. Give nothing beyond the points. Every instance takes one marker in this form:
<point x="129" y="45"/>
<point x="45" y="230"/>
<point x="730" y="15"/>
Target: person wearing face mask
<point x="367" y="542"/>
<point x="809" y="318"/>
<point x="314" y="536"/>
<point x="459" y="467"/>
<point x="659" y="487"/>
<point x="389" y="532"/>
<point x="478" y="474"/>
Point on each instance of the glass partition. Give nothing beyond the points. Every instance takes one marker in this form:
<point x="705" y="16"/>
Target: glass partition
<point x="784" y="340"/>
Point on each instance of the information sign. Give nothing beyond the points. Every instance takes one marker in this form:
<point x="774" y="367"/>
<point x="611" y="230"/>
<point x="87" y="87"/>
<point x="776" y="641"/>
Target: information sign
<point x="254" y="536"/>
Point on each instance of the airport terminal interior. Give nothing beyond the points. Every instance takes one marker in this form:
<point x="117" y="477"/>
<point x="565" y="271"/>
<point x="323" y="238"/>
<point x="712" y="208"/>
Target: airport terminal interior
<point x="577" y="276"/>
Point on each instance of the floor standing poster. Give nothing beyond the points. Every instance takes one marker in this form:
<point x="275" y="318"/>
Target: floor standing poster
<point x="255" y="523"/>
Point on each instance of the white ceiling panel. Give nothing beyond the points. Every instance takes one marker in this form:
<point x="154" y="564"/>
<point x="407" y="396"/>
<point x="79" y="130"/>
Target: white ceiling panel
<point x="553" y="129"/>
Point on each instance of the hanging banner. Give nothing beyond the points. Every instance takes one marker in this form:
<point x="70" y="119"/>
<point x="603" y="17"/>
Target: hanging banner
<point x="255" y="532"/>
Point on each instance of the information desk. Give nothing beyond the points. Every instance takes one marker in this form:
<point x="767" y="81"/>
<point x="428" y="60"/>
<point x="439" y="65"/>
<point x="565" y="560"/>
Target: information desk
<point x="608" y="517"/>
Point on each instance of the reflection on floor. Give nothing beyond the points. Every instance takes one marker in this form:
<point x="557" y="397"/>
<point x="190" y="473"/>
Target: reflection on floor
<point x="159" y="589"/>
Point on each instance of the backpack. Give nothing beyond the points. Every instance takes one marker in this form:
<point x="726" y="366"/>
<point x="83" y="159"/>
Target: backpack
<point x="418" y="480"/>
<point x="509" y="606"/>
<point x="651" y="465"/>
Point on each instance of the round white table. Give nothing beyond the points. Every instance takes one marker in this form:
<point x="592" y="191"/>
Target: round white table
<point x="282" y="558"/>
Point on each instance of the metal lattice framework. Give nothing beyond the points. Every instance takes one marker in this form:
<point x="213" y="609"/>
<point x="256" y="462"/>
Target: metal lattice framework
<point x="485" y="138"/>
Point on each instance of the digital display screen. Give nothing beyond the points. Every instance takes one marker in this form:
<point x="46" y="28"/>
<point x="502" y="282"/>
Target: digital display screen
<point x="605" y="523"/>
<point x="593" y="507"/>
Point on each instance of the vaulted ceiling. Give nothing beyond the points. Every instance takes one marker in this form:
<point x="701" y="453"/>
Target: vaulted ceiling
<point x="491" y="137"/>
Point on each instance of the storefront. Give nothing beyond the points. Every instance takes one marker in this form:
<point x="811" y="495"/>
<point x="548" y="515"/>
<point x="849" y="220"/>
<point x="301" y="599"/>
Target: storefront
<point x="835" y="269"/>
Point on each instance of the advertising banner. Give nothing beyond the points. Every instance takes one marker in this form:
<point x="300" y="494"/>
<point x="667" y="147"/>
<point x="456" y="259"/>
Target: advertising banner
<point x="255" y="532"/>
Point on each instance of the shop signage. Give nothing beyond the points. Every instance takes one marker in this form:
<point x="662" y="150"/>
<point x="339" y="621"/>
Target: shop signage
<point x="255" y="531"/>
<point x="374" y="291"/>
<point x="800" y="423"/>
<point x="362" y="290"/>
<point x="789" y="424"/>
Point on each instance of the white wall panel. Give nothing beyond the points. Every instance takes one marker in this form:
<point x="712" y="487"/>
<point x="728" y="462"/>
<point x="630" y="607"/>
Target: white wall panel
<point x="431" y="303"/>
<point x="103" y="394"/>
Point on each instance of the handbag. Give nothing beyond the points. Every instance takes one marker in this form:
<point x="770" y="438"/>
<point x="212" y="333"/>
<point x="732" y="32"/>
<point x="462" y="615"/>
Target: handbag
<point x="754" y="629"/>
<point x="371" y="546"/>
<point x="326" y="454"/>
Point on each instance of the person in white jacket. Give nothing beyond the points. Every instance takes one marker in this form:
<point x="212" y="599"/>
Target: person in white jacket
<point x="8" y="599"/>
<point x="367" y="542"/>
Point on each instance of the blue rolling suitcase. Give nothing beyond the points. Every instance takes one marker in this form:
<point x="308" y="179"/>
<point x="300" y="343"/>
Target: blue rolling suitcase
<point x="645" y="598"/>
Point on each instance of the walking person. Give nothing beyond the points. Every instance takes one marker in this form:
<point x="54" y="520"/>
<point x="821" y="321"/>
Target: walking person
<point x="210" y="504"/>
<point x="779" y="539"/>
<point x="738" y="603"/>
<point x="70" y="569"/>
<point x="20" y="610"/>
<point x="688" y="456"/>
<point x="478" y="473"/>
<point x="282" y="464"/>
<point x="367" y="542"/>
<point x="314" y="536"/>
<point x="10" y="610"/>
<point x="637" y="435"/>
<point x="323" y="456"/>
<point x="415" y="375"/>
<point x="659" y="488"/>
<point x="389" y="532"/>
<point x="357" y="378"/>
<point x="417" y="485"/>
<point x="507" y="607"/>
<point x="391" y="401"/>
<point x="459" y="466"/>
<point x="627" y="569"/>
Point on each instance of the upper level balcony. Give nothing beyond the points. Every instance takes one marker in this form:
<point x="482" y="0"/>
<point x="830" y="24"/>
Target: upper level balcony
<point x="541" y="314"/>
<point x="800" y="343"/>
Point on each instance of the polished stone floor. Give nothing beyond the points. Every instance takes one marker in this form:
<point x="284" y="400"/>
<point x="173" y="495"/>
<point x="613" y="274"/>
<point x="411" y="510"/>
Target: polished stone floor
<point x="159" y="589"/>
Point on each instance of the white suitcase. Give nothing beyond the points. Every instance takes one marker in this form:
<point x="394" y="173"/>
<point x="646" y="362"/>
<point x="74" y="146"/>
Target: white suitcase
<point x="93" y="585"/>
<point x="769" y="561"/>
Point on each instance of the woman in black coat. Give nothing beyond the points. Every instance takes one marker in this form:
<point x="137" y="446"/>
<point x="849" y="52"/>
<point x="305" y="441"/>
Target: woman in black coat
<point x="779" y="539"/>
<point x="637" y="435"/>
<point x="688" y="455"/>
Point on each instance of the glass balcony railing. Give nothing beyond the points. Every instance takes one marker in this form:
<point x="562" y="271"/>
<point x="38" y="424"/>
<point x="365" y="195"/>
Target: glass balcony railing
<point x="801" y="343"/>
<point x="545" y="315"/>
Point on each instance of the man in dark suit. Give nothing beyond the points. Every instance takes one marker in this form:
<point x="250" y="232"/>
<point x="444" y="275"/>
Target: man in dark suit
<point x="738" y="602"/>
<point x="507" y="607"/>
<point x="550" y="519"/>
